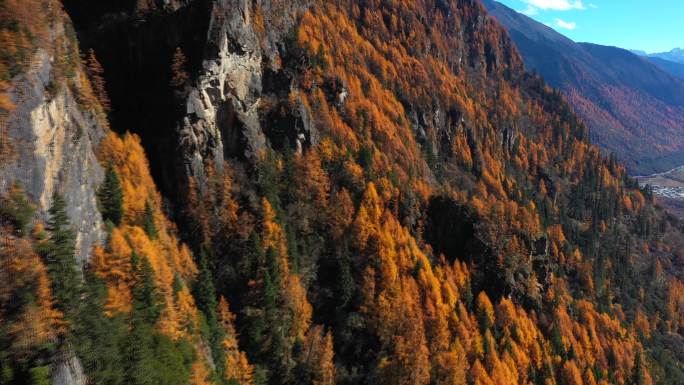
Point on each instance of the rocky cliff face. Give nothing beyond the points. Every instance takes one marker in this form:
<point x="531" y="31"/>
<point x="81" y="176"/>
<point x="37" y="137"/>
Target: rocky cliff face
<point x="68" y="371"/>
<point x="225" y="97"/>
<point x="53" y="146"/>
<point x="224" y="105"/>
<point x="238" y="60"/>
<point x="53" y="138"/>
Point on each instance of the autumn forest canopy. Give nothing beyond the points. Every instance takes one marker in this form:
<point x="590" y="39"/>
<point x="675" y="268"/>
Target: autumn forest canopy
<point x="321" y="192"/>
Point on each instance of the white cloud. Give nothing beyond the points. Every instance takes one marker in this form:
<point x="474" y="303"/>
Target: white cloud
<point x="533" y="6"/>
<point x="565" y="24"/>
<point x="556" y="5"/>
<point x="530" y="11"/>
<point x="592" y="5"/>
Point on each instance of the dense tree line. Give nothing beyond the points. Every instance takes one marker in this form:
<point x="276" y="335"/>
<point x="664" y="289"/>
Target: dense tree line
<point x="451" y="226"/>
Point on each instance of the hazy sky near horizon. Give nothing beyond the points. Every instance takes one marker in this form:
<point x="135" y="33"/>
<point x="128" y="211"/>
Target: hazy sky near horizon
<point x="648" y="25"/>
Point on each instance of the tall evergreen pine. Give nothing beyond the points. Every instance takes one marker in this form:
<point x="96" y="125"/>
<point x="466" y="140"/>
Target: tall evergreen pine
<point x="111" y="197"/>
<point x="147" y="301"/>
<point x="97" y="338"/>
<point x="149" y="225"/>
<point x="59" y="254"/>
<point x="16" y="210"/>
<point x="204" y="292"/>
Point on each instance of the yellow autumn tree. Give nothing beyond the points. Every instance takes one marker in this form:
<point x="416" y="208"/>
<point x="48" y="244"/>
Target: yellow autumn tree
<point x="485" y="311"/>
<point x="317" y="356"/>
<point x="237" y="366"/>
<point x="293" y="292"/>
<point x="570" y="374"/>
<point x="23" y="273"/>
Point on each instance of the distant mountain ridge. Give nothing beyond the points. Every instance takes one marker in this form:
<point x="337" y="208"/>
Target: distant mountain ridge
<point x="634" y="106"/>
<point x="671" y="62"/>
<point x="676" y="55"/>
<point x="674" y="68"/>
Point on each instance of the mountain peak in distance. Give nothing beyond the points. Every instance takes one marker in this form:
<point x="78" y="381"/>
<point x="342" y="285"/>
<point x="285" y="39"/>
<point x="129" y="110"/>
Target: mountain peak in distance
<point x="633" y="105"/>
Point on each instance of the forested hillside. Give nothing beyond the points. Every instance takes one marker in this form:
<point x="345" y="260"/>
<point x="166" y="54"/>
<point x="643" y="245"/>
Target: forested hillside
<point x="632" y="105"/>
<point x="350" y="192"/>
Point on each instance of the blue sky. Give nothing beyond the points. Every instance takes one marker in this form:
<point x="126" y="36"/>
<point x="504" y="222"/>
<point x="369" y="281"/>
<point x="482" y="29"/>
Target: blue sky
<point x="648" y="25"/>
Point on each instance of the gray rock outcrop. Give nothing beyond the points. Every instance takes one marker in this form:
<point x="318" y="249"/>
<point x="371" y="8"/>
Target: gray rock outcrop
<point x="53" y="141"/>
<point x="222" y="106"/>
<point x="68" y="371"/>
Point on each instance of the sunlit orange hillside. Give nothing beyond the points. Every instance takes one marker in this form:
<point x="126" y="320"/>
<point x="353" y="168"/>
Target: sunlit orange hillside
<point x="323" y="192"/>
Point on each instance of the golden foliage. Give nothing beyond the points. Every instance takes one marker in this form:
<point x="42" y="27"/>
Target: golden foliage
<point x="571" y="375"/>
<point x="414" y="304"/>
<point x="22" y="272"/>
<point x="200" y="374"/>
<point x="318" y="354"/>
<point x="485" y="311"/>
<point x="237" y="366"/>
<point x="294" y="294"/>
<point x="675" y="305"/>
<point x="168" y="257"/>
<point x="341" y="213"/>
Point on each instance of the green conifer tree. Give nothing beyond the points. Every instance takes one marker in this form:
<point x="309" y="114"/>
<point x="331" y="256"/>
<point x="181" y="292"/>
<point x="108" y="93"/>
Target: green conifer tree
<point x="204" y="293"/>
<point x="99" y="340"/>
<point x="111" y="197"/>
<point x="147" y="301"/>
<point x="59" y="250"/>
<point x="638" y="376"/>
<point x="345" y="280"/>
<point x="40" y="375"/>
<point x="16" y="210"/>
<point x="149" y="225"/>
<point x="140" y="368"/>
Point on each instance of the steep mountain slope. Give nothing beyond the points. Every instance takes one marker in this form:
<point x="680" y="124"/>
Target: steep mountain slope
<point x="632" y="107"/>
<point x="377" y="188"/>
<point x="48" y="140"/>
<point x="666" y="63"/>
<point x="674" y="68"/>
<point x="95" y="284"/>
